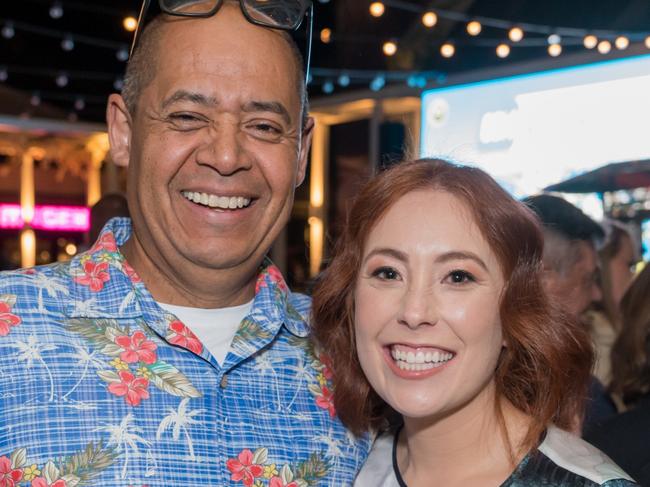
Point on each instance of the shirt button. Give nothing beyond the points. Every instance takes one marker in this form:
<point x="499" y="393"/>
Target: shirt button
<point x="224" y="381"/>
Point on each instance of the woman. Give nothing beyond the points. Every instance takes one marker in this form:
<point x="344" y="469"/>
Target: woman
<point x="432" y="310"/>
<point x="625" y="437"/>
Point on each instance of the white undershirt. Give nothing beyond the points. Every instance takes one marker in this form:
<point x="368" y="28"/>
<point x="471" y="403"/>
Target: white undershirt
<point x="215" y="328"/>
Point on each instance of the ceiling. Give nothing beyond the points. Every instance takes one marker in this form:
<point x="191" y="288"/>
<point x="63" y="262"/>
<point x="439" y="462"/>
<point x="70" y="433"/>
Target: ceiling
<point x="65" y="66"/>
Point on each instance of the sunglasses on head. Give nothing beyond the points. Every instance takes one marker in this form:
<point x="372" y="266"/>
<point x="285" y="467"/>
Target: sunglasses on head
<point x="274" y="14"/>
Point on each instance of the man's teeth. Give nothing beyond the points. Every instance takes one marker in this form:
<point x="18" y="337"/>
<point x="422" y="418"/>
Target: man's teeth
<point x="409" y="360"/>
<point x="214" y="201"/>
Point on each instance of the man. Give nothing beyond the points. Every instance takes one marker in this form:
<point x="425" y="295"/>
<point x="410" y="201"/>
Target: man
<point x="172" y="353"/>
<point x="570" y="275"/>
<point x="570" y="260"/>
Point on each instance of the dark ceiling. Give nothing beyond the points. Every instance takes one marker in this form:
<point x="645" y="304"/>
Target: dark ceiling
<point x="76" y="81"/>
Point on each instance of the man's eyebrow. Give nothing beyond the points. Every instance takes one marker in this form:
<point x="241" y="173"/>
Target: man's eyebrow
<point x="268" y="106"/>
<point x="460" y="255"/>
<point x="183" y="95"/>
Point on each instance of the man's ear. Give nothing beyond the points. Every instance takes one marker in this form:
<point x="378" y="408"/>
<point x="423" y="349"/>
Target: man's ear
<point x="305" y="146"/>
<point x="119" y="129"/>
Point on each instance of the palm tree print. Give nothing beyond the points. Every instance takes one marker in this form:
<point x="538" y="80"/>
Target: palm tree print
<point x="32" y="351"/>
<point x="179" y="419"/>
<point x="125" y="438"/>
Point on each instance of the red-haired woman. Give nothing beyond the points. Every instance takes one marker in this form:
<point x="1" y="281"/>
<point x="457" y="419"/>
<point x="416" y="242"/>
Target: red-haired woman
<point x="432" y="310"/>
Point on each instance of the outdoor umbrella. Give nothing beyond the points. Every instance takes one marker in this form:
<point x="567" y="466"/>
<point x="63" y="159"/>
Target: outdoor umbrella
<point x="612" y="177"/>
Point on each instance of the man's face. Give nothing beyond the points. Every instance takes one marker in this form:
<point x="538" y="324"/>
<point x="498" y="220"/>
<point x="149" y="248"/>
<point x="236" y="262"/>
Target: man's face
<point x="576" y="288"/>
<point x="216" y="146"/>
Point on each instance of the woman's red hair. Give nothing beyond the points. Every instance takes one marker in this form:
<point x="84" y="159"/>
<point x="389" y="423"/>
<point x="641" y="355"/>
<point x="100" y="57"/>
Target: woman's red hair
<point x="544" y="368"/>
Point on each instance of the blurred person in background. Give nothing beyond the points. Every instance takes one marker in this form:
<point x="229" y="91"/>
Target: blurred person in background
<point x="626" y="437"/>
<point x="109" y="206"/>
<point x="617" y="258"/>
<point x="571" y="274"/>
<point x="433" y="310"/>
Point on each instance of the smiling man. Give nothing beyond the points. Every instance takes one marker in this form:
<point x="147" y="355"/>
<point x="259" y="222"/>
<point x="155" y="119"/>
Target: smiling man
<point x="172" y="352"/>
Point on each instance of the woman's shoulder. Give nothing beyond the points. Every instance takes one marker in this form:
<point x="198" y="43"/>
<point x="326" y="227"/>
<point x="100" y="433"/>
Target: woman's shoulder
<point x="378" y="469"/>
<point x="565" y="459"/>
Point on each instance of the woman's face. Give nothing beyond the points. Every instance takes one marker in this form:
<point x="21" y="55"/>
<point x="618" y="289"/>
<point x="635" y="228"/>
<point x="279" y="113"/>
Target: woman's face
<point x="620" y="269"/>
<point x="427" y="324"/>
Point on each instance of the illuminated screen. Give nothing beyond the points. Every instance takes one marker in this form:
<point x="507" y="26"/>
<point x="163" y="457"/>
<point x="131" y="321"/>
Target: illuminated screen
<point x="534" y="130"/>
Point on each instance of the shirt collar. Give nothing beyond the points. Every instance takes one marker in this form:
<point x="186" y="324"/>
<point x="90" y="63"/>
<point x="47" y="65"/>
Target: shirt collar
<point x="104" y="285"/>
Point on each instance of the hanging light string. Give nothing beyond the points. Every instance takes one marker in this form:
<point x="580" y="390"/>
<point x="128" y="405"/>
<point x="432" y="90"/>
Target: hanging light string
<point x="58" y="34"/>
<point x="528" y="27"/>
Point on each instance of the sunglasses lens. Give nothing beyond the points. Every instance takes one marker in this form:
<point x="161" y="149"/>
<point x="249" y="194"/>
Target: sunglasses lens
<point x="285" y="14"/>
<point x="195" y="7"/>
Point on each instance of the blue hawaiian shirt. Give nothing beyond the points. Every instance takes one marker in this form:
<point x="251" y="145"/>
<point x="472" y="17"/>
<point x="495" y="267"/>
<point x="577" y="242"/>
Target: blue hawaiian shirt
<point x="100" y="386"/>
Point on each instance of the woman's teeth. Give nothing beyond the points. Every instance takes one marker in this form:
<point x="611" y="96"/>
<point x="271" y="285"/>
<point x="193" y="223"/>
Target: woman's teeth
<point x="214" y="201"/>
<point x="419" y="360"/>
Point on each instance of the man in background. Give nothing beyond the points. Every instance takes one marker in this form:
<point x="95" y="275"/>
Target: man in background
<point x="571" y="274"/>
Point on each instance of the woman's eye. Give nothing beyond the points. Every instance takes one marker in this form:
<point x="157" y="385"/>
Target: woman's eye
<point x="460" y="277"/>
<point x="386" y="274"/>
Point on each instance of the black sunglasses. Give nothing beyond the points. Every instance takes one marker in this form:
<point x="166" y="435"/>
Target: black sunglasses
<point x="284" y="15"/>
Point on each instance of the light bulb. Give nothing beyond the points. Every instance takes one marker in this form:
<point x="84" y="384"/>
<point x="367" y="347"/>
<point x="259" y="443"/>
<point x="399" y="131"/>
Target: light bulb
<point x="515" y="34"/>
<point x="447" y="50"/>
<point x="389" y="48"/>
<point x="590" y="41"/>
<point x="429" y="19"/>
<point x="377" y="9"/>
<point x="474" y="28"/>
<point x="503" y="50"/>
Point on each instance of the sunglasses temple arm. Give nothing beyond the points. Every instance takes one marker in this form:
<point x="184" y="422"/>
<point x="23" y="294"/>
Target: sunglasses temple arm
<point x="143" y="12"/>
<point x="309" y="38"/>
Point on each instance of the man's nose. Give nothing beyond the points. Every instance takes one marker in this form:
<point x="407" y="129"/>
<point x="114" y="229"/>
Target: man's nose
<point x="224" y="150"/>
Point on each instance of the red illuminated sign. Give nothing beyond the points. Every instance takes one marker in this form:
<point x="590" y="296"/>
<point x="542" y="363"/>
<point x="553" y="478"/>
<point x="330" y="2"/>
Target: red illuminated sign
<point x="47" y="217"/>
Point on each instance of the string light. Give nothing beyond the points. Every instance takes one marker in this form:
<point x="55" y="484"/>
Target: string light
<point x="56" y="10"/>
<point x="378" y="83"/>
<point x="377" y="9"/>
<point x="621" y="43"/>
<point x="590" y="41"/>
<point x="326" y="35"/>
<point x="554" y="39"/>
<point x="4" y="75"/>
<point x="118" y="84"/>
<point x="62" y="80"/>
<point x="79" y="104"/>
<point x="8" y="30"/>
<point x="503" y="50"/>
<point x="474" y="28"/>
<point x="447" y="50"/>
<point x="647" y="42"/>
<point x="515" y="34"/>
<point x="122" y="54"/>
<point x="130" y="23"/>
<point x="344" y="80"/>
<point x="389" y="48"/>
<point x="328" y="87"/>
<point x="554" y="50"/>
<point x="429" y="19"/>
<point x="604" y="47"/>
<point x="67" y="44"/>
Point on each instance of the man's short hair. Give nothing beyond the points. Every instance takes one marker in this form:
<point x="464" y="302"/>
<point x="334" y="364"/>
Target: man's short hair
<point x="142" y="66"/>
<point x="565" y="227"/>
